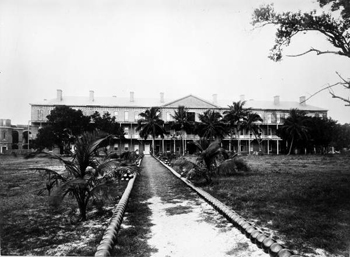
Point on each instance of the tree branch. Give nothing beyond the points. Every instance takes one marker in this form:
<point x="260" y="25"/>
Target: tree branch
<point x="318" y="52"/>
<point x="341" y="98"/>
<point x="319" y="91"/>
<point x="346" y="83"/>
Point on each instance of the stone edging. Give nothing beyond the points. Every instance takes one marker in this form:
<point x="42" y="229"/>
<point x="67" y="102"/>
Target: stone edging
<point x="254" y="234"/>
<point x="110" y="235"/>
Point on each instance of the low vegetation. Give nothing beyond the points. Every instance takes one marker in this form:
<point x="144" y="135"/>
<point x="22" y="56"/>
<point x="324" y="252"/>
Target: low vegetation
<point x="33" y="225"/>
<point x="302" y="200"/>
<point x="30" y="226"/>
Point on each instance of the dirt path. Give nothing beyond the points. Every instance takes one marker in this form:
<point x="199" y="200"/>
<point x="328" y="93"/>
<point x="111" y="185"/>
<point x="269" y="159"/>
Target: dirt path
<point x="182" y="224"/>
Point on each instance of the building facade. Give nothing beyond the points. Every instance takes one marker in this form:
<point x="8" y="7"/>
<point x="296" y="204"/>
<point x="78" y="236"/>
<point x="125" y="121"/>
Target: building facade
<point x="126" y="110"/>
<point x="13" y="139"/>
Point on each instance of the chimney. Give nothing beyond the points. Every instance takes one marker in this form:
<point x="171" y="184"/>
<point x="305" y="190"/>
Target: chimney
<point x="302" y="101"/>
<point x="242" y="98"/>
<point x="162" y="97"/>
<point x="276" y="100"/>
<point x="91" y="96"/>
<point x="215" y="99"/>
<point x="59" y="95"/>
<point x="131" y="96"/>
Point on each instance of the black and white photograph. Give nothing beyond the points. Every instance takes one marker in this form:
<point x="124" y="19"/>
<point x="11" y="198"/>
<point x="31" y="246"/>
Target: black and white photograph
<point x="175" y="128"/>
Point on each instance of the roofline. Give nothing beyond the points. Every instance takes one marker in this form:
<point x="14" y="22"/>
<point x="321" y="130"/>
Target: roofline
<point x="214" y="106"/>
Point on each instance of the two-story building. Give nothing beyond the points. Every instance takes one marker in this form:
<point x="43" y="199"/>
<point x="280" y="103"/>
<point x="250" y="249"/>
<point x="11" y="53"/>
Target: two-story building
<point x="13" y="139"/>
<point x="126" y="110"/>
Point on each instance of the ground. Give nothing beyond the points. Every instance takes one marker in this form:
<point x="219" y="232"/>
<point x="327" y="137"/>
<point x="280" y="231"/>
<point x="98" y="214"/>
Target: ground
<point x="31" y="227"/>
<point x="303" y="198"/>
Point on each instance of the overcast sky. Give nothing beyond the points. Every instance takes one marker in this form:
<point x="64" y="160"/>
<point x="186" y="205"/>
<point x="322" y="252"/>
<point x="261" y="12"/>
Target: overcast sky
<point x="179" y="47"/>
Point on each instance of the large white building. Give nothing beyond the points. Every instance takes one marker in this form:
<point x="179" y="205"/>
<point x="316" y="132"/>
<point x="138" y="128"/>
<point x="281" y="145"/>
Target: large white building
<point x="126" y="110"/>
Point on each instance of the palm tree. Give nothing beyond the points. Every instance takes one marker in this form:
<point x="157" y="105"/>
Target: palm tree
<point x="85" y="177"/>
<point x="182" y="123"/>
<point x="208" y="158"/>
<point x="151" y="123"/>
<point x="251" y="125"/>
<point x="211" y="125"/>
<point x="294" y="127"/>
<point x="235" y="116"/>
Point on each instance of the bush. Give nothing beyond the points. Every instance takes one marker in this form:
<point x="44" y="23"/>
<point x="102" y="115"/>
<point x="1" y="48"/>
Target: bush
<point x="182" y="166"/>
<point x="233" y="166"/>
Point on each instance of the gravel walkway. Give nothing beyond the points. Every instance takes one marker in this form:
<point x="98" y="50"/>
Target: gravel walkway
<point x="182" y="224"/>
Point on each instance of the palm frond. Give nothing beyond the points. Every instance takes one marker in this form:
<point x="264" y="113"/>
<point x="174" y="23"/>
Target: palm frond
<point x="49" y="172"/>
<point x="107" y="166"/>
<point x="198" y="145"/>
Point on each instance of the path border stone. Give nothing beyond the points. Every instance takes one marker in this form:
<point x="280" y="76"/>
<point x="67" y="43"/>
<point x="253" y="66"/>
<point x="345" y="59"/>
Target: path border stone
<point x="111" y="233"/>
<point x="255" y="235"/>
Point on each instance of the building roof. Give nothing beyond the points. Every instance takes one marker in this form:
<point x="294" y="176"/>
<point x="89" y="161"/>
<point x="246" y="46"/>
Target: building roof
<point x="189" y="101"/>
<point x="269" y="105"/>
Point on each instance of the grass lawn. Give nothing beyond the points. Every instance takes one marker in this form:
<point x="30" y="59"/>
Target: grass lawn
<point x="29" y="226"/>
<point x="303" y="200"/>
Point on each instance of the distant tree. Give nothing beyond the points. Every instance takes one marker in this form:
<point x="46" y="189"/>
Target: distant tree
<point x="341" y="136"/>
<point x="64" y="123"/>
<point x="321" y="132"/>
<point x="294" y="129"/>
<point x="182" y="122"/>
<point x="151" y="124"/>
<point x="235" y="116"/>
<point x="107" y="124"/>
<point x="45" y="138"/>
<point x="251" y="124"/>
<point x="211" y="126"/>
<point x="335" y="28"/>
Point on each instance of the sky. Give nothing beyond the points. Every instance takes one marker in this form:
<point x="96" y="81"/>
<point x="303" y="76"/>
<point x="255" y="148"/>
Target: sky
<point x="179" y="47"/>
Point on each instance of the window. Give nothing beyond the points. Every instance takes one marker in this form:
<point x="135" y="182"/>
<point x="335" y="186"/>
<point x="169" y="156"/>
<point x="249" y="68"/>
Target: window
<point x="4" y="135"/>
<point x="126" y="130"/>
<point x="40" y="114"/>
<point x="269" y="118"/>
<point x="126" y="147"/>
<point x="126" y="116"/>
<point x="136" y="116"/>
<point x="278" y="118"/>
<point x="115" y="114"/>
<point x="136" y="147"/>
<point x="116" y="147"/>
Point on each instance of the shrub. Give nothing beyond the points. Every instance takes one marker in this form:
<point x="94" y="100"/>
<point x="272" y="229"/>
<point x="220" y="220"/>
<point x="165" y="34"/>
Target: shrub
<point x="86" y="177"/>
<point x="233" y="166"/>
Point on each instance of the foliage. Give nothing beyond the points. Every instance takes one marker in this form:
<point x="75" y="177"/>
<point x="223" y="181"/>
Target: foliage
<point x="182" y="123"/>
<point x="63" y="125"/>
<point x="251" y="124"/>
<point x="341" y="136"/>
<point x="233" y="166"/>
<point x="334" y="28"/>
<point x="211" y="125"/>
<point x="321" y="132"/>
<point x="86" y="176"/>
<point x="182" y="120"/>
<point x="238" y="118"/>
<point x="106" y="123"/>
<point x="311" y="133"/>
<point x="294" y="128"/>
<point x="45" y="138"/>
<point x="210" y="157"/>
<point x="151" y="124"/>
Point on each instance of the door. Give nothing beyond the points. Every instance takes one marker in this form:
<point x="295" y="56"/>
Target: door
<point x="147" y="149"/>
